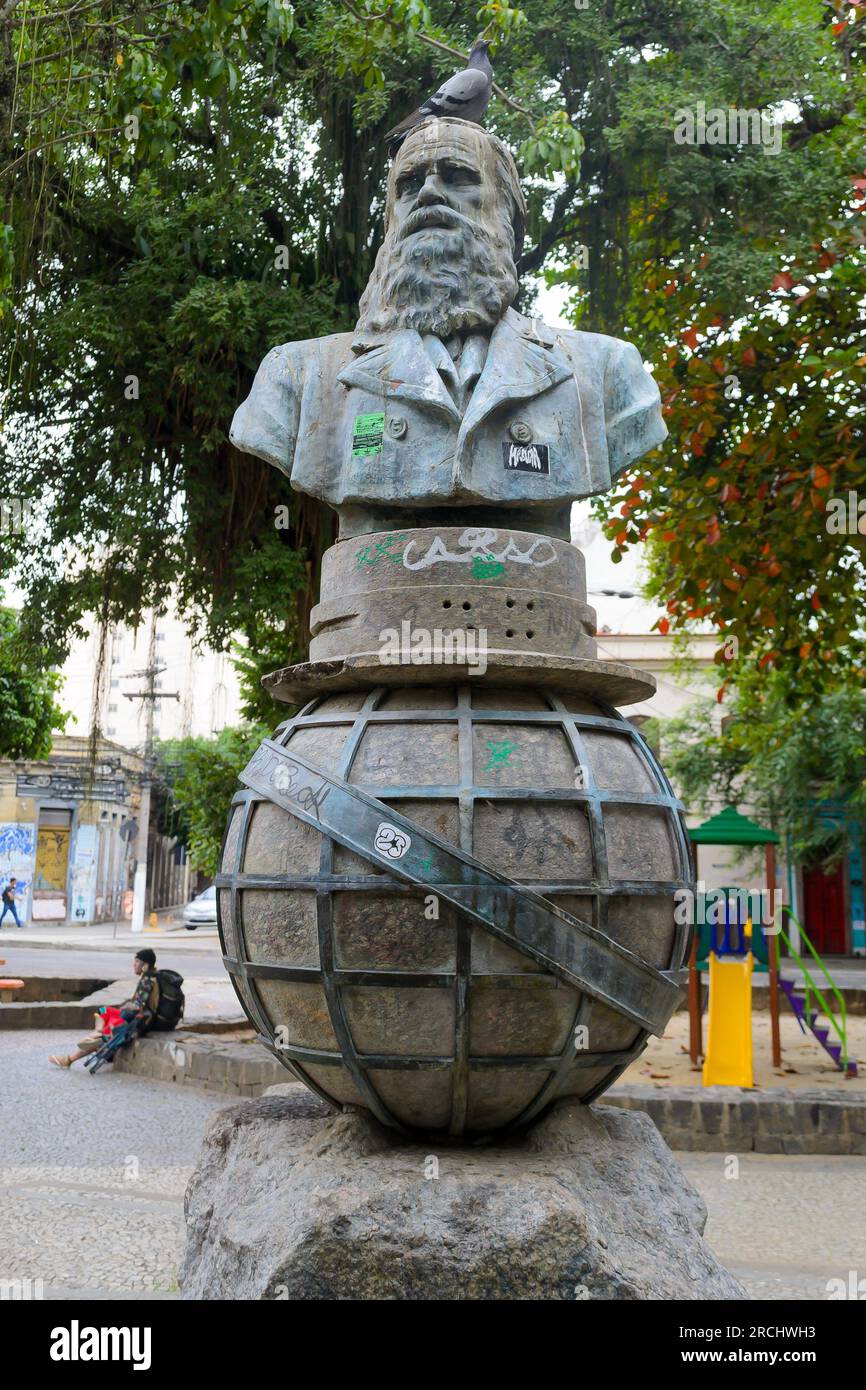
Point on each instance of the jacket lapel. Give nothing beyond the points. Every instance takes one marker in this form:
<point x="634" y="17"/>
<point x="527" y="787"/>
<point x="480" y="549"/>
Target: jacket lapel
<point x="523" y="360"/>
<point x="521" y="363"/>
<point x="398" y="367"/>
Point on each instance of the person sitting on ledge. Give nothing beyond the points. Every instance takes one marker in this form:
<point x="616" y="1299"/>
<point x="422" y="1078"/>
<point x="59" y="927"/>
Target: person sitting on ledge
<point x="141" y="1007"/>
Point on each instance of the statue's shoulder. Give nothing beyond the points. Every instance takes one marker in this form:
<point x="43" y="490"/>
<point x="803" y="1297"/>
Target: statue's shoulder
<point x="295" y="358"/>
<point x="601" y="348"/>
<point x="613" y="370"/>
<point x="266" y="423"/>
<point x="592" y="352"/>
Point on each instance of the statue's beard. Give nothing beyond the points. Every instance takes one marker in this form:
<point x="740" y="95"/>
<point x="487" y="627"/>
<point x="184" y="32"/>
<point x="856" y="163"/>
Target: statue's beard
<point x="440" y="279"/>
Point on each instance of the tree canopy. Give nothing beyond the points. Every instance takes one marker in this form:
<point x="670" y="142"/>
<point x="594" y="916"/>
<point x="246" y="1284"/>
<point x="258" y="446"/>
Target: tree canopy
<point x="187" y="184"/>
<point x="200" y="776"/>
<point x="802" y="770"/>
<point x="29" y="713"/>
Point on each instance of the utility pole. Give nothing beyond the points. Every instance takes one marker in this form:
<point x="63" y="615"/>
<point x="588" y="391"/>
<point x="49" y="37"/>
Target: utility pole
<point x="149" y="695"/>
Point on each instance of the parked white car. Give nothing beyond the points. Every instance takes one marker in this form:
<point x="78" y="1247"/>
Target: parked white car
<point x="201" y="912"/>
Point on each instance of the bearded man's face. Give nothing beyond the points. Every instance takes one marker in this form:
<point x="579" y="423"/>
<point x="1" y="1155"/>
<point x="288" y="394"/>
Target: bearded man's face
<point x="447" y="262"/>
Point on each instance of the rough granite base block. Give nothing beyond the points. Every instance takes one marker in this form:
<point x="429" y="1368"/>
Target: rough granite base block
<point x="290" y="1201"/>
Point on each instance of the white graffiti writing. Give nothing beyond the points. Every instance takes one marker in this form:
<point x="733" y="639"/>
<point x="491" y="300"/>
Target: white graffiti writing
<point x="286" y="777"/>
<point x="524" y="453"/>
<point x="479" y="544"/>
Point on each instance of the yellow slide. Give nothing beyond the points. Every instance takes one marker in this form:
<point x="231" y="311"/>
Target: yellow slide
<point x="729" y="1036"/>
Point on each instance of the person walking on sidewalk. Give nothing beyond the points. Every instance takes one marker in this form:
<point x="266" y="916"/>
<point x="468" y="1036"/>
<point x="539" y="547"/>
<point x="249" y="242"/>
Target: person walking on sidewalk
<point x="8" y="900"/>
<point x="141" y="1007"/>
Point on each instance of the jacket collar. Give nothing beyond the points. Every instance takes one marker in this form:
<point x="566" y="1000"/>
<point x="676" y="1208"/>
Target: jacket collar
<point x="523" y="360"/>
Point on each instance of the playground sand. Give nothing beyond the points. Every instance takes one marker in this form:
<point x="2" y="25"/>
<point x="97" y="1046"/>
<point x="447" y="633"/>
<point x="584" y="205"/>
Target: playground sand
<point x="805" y="1064"/>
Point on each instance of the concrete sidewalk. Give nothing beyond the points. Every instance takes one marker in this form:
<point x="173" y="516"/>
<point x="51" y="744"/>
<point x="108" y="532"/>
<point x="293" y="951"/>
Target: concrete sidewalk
<point x="97" y="936"/>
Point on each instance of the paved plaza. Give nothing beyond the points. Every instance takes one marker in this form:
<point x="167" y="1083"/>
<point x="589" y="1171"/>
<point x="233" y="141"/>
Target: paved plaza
<point x="93" y="1171"/>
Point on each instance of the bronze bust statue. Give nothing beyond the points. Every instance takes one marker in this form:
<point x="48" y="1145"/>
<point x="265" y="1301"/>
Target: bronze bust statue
<point x="446" y="405"/>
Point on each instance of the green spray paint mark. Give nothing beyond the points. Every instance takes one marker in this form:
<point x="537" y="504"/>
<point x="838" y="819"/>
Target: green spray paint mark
<point x="499" y="753"/>
<point x="487" y="567"/>
<point x="426" y="866"/>
<point x="381" y="550"/>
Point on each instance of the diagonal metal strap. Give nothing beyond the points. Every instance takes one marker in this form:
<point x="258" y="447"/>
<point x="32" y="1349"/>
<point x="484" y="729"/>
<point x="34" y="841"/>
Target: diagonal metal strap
<point x="574" y="951"/>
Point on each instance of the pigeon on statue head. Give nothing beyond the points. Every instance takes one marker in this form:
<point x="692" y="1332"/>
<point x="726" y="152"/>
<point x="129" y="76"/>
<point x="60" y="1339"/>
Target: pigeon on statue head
<point x="466" y="94"/>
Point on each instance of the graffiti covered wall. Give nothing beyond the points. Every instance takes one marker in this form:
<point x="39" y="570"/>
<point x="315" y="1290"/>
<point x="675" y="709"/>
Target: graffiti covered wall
<point x="17" y="858"/>
<point x="84" y="873"/>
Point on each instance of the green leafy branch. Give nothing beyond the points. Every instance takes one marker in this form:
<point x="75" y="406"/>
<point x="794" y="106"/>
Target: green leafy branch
<point x="412" y="17"/>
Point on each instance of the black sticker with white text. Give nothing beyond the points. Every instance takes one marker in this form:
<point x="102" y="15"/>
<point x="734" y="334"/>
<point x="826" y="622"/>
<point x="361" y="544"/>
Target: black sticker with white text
<point x="526" y="458"/>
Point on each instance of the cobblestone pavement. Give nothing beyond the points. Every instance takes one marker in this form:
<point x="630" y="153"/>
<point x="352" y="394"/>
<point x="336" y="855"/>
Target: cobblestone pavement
<point x="93" y="1171"/>
<point x="785" y="1225"/>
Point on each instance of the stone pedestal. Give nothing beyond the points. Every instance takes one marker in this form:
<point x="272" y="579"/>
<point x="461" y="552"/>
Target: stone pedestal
<point x="518" y="596"/>
<point x="289" y="1202"/>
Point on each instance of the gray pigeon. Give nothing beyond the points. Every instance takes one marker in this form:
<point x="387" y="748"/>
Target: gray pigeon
<point x="466" y="94"/>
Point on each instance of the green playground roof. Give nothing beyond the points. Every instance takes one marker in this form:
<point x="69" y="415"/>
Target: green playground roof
<point x="729" y="827"/>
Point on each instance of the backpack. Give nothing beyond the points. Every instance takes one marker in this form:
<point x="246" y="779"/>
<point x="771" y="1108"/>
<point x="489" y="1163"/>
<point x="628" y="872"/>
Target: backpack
<point x="169" y="1009"/>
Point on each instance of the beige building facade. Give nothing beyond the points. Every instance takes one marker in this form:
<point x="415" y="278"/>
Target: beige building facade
<point x="68" y="831"/>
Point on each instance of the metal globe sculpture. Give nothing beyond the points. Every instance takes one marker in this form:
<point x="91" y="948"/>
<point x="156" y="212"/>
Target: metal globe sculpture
<point x="385" y="991"/>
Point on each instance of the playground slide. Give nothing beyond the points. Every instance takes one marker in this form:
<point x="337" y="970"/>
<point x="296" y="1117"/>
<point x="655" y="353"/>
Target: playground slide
<point x="728" y="1061"/>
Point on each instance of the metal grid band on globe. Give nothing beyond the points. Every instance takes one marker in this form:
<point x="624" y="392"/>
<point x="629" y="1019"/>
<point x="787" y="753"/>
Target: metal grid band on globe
<point x="237" y="965"/>
<point x="402" y="979"/>
<point x="333" y="979"/>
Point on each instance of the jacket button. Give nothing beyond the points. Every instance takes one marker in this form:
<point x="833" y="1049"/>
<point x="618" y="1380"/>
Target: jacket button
<point x="520" y="432"/>
<point x="397" y="427"/>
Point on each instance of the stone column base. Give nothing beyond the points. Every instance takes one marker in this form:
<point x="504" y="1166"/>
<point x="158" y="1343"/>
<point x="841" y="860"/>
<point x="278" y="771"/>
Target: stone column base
<point x="291" y="1202"/>
<point x="426" y="605"/>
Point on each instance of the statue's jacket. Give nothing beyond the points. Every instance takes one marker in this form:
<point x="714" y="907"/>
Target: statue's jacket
<point x="353" y="419"/>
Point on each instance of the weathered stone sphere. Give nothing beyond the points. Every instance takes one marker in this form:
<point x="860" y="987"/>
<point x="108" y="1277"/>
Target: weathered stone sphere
<point x="430" y="1021"/>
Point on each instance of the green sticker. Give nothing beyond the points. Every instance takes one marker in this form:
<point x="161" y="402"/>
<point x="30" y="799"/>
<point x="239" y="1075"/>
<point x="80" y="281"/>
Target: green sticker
<point x="368" y="434"/>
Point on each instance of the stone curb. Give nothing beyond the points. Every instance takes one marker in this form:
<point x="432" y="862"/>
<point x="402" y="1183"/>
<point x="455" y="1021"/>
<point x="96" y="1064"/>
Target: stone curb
<point x="726" y="1119"/>
<point x="716" y="1120"/>
<point x="216" y="1066"/>
<point x="56" y="989"/>
<point x="60" y="1014"/>
<point x="79" y="1014"/>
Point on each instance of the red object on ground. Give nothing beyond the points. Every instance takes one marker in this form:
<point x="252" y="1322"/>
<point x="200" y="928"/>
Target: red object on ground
<point x="112" y="1018"/>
